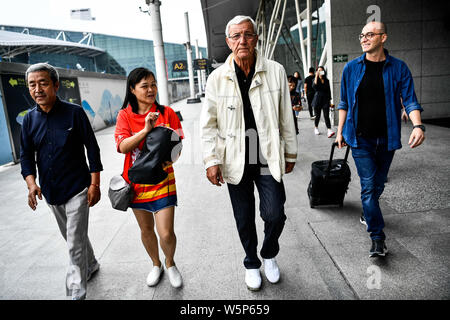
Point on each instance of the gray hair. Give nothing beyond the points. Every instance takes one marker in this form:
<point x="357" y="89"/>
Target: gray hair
<point x="43" y="67"/>
<point x="238" y="20"/>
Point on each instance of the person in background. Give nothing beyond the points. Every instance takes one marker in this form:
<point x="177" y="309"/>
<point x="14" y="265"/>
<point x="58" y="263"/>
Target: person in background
<point x="374" y="87"/>
<point x="153" y="204"/>
<point x="309" y="92"/>
<point x="295" y="100"/>
<point x="299" y="86"/>
<point x="321" y="101"/>
<point x="55" y="134"/>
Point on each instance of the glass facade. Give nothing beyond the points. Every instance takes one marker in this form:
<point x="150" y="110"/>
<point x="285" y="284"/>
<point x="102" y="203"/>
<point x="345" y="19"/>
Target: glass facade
<point x="134" y="53"/>
<point x="122" y="54"/>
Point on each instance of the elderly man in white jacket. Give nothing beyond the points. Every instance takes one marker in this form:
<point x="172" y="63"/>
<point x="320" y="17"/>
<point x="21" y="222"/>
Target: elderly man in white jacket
<point x="248" y="138"/>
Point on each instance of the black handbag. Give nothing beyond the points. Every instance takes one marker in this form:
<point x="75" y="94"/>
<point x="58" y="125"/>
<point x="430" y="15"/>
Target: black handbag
<point x="120" y="193"/>
<point x="161" y="144"/>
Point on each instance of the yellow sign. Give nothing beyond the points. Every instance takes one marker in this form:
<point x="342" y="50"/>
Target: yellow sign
<point x="13" y="82"/>
<point x="179" y="65"/>
<point x="16" y="82"/>
<point x="68" y="84"/>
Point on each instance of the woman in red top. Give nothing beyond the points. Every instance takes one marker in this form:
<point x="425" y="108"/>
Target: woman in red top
<point x="152" y="203"/>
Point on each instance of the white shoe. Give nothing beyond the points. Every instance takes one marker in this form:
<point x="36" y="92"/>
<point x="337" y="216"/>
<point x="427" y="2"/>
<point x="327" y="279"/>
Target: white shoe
<point x="330" y="133"/>
<point x="253" y="279"/>
<point x="174" y="277"/>
<point x="271" y="270"/>
<point x="316" y="131"/>
<point x="154" y="275"/>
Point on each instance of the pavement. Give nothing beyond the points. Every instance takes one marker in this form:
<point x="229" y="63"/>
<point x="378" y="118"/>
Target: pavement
<point x="324" y="251"/>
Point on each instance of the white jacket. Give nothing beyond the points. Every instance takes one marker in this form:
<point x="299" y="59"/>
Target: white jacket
<point x="222" y="119"/>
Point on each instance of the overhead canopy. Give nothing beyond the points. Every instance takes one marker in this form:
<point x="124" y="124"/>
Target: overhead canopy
<point x="217" y="13"/>
<point x="14" y="43"/>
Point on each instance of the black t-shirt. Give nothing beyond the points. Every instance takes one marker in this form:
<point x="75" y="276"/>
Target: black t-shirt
<point x="310" y="90"/>
<point x="249" y="118"/>
<point x="371" y="102"/>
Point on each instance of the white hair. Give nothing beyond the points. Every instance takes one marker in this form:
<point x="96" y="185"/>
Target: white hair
<point x="238" y="20"/>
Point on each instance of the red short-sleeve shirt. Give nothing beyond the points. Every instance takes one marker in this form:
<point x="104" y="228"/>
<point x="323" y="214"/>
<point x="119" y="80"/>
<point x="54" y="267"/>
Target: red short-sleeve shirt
<point x="129" y="123"/>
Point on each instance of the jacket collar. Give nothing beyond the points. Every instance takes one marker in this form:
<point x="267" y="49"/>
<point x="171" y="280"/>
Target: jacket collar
<point x="386" y="53"/>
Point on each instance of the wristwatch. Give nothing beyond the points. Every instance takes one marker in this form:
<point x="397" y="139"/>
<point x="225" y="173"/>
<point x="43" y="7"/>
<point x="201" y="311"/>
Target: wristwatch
<point x="421" y="126"/>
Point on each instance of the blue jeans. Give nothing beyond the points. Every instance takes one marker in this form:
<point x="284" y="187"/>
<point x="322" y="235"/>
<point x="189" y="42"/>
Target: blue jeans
<point x="372" y="160"/>
<point x="271" y="206"/>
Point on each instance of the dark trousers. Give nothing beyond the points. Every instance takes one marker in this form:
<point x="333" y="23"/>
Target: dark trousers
<point x="310" y="106"/>
<point x="326" y="114"/>
<point x="271" y="206"/>
<point x="372" y="160"/>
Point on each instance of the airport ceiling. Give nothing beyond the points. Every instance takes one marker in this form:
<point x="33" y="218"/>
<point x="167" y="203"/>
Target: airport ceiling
<point x="217" y="13"/>
<point x="14" y="43"/>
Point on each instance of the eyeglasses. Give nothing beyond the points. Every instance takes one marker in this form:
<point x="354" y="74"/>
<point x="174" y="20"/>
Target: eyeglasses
<point x="247" y="36"/>
<point x="368" y="35"/>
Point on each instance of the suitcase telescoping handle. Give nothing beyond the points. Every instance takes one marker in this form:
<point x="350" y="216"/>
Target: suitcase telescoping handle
<point x="331" y="155"/>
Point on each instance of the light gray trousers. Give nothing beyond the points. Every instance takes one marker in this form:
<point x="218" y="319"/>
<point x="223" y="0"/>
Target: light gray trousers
<point x="73" y="221"/>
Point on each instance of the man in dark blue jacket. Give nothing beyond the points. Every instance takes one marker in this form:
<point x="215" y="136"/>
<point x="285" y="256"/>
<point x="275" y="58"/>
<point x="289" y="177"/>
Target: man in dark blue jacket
<point x="54" y="136"/>
<point x="372" y="87"/>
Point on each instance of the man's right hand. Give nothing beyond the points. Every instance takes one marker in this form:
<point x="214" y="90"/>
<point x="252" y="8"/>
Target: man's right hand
<point x="34" y="190"/>
<point x="214" y="175"/>
<point x="340" y="140"/>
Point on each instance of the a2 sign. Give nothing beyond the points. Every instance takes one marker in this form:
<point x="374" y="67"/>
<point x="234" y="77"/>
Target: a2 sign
<point x="181" y="65"/>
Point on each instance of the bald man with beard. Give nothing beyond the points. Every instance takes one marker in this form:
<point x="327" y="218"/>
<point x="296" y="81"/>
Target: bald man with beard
<point x="373" y="87"/>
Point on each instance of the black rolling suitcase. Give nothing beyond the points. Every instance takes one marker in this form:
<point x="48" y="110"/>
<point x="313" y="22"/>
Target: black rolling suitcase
<point x="329" y="180"/>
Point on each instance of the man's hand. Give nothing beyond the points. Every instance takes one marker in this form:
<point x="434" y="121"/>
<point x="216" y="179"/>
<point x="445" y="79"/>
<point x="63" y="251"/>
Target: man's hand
<point x="34" y="190"/>
<point x="340" y="140"/>
<point x="93" y="195"/>
<point x="416" y="138"/>
<point x="289" y="167"/>
<point x="214" y="175"/>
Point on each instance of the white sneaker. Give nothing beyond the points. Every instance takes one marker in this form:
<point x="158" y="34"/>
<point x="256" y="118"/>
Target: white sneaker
<point x="330" y="133"/>
<point x="316" y="131"/>
<point x="174" y="277"/>
<point x="253" y="279"/>
<point x="271" y="270"/>
<point x="154" y="275"/>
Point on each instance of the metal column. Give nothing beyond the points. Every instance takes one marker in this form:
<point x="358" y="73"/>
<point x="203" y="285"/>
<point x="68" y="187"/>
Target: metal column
<point x="192" y="99"/>
<point x="308" y="32"/>
<point x="199" y="73"/>
<point x="302" y="41"/>
<point x="158" y="47"/>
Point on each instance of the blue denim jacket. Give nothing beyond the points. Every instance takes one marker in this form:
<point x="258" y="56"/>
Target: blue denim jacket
<point x="398" y="82"/>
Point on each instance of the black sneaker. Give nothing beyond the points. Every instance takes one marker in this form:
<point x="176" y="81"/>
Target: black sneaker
<point x="378" y="249"/>
<point x="363" y="220"/>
